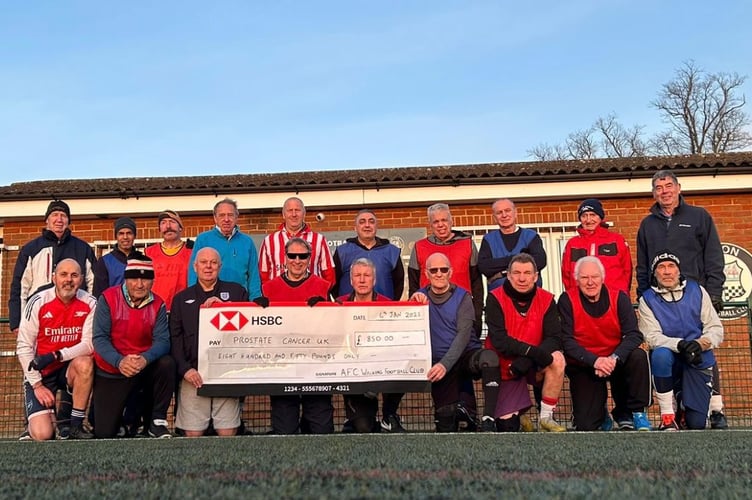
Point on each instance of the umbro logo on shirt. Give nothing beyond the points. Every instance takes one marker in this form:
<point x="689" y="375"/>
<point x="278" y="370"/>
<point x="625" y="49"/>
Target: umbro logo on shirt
<point x="48" y="315"/>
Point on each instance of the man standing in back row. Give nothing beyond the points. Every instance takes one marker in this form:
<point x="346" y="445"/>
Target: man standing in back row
<point x="690" y="233"/>
<point x="171" y="257"/>
<point x="389" y="281"/>
<point x="498" y="247"/>
<point x="272" y="254"/>
<point x="462" y="253"/>
<point x="236" y="249"/>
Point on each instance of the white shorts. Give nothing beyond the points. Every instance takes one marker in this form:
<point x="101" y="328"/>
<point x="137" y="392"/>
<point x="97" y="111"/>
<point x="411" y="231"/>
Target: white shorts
<point x="195" y="412"/>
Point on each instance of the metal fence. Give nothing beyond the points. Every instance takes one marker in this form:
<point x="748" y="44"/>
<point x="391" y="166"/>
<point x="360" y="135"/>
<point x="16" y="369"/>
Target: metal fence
<point x="734" y="361"/>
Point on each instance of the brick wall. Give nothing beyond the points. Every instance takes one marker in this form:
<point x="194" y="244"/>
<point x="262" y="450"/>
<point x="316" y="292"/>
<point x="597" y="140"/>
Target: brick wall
<point x="625" y="214"/>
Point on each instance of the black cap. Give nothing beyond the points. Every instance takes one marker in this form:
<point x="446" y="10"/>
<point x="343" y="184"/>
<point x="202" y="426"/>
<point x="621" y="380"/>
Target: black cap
<point x="664" y="256"/>
<point x="57" y="206"/>
<point x="125" y="222"/>
<point x="591" y="205"/>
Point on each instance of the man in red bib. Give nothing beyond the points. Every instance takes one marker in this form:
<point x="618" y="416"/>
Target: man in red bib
<point x="602" y="343"/>
<point x="297" y="284"/>
<point x="524" y="330"/>
<point x="132" y="347"/>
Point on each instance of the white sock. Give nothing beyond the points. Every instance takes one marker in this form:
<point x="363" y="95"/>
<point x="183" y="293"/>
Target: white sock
<point x="716" y="403"/>
<point x="547" y="411"/>
<point x="665" y="402"/>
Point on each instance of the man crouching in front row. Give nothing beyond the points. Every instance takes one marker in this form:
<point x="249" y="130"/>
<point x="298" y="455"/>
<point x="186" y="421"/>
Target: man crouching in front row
<point x="455" y="350"/>
<point x="525" y="330"/>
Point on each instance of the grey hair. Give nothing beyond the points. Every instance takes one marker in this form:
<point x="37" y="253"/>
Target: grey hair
<point x="293" y="198"/>
<point x="362" y="261"/>
<point x="299" y="241"/>
<point x="523" y="258"/>
<point x="438" y="207"/>
<point x="226" y="201"/>
<point x="366" y="211"/>
<point x="664" y="174"/>
<point x="584" y="260"/>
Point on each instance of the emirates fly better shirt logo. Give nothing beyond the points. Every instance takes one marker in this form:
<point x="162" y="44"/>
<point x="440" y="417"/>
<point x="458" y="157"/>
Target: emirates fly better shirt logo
<point x="229" y="321"/>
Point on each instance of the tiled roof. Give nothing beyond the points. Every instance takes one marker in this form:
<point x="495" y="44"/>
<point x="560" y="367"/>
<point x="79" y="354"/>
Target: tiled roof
<point x="484" y="173"/>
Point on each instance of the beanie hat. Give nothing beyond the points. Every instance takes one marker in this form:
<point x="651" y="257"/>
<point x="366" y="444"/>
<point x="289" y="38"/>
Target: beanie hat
<point x="663" y="256"/>
<point x="57" y="206"/>
<point x="170" y="214"/>
<point x="139" y="266"/>
<point x="591" y="205"/>
<point x="125" y="223"/>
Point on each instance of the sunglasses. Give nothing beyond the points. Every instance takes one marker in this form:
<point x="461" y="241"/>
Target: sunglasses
<point x="434" y="270"/>
<point x="298" y="256"/>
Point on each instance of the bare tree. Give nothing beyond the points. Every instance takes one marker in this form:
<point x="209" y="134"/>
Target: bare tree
<point x="618" y="141"/>
<point x="547" y="152"/>
<point x="605" y="138"/>
<point x="704" y="111"/>
<point x="582" y="144"/>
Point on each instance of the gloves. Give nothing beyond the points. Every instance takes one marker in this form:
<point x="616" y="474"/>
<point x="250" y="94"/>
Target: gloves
<point x="521" y="366"/>
<point x="691" y="351"/>
<point x="541" y="357"/>
<point x="717" y="304"/>
<point x="315" y="300"/>
<point x="261" y="301"/>
<point x="41" y="362"/>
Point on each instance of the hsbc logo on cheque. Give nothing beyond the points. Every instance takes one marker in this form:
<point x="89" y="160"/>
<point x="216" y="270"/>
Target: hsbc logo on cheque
<point x="229" y="321"/>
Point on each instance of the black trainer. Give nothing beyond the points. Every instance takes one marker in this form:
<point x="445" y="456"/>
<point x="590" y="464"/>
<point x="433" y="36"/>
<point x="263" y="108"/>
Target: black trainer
<point x="158" y="429"/>
<point x="63" y="432"/>
<point x="78" y="432"/>
<point x="467" y="422"/>
<point x="718" y="420"/>
<point x="488" y="424"/>
<point x="392" y="424"/>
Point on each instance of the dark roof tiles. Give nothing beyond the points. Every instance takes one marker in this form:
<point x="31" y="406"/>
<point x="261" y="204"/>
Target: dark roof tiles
<point x="483" y="173"/>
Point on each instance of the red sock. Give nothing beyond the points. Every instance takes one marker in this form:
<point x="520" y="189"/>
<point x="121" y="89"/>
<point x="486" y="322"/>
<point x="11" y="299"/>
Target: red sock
<point x="550" y="401"/>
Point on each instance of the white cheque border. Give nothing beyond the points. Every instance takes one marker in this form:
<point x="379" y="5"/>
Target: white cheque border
<point x="329" y="348"/>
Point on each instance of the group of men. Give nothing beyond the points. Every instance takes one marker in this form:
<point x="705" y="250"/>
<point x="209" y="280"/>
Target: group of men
<point x="133" y="341"/>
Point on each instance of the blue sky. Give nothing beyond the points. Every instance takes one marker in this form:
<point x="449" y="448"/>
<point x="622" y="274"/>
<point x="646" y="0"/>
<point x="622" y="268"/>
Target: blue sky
<point x="130" y="89"/>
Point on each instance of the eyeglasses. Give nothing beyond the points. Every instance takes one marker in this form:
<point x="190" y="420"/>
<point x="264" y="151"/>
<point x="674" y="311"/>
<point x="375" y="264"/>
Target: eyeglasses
<point x="298" y="256"/>
<point x="434" y="270"/>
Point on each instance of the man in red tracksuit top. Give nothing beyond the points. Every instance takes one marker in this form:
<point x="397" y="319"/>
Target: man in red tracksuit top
<point x="54" y="348"/>
<point x="132" y="347"/>
<point x="296" y="284"/>
<point x="595" y="239"/>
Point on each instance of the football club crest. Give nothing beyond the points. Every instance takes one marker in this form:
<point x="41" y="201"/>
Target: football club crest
<point x="738" y="270"/>
<point x="225" y="296"/>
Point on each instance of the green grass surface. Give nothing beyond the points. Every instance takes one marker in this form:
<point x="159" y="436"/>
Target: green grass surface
<point x="710" y="464"/>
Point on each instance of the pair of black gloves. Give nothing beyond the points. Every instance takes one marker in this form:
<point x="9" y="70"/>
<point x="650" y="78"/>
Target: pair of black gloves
<point x="523" y="364"/>
<point x="264" y="301"/>
<point x="42" y="361"/>
<point x="691" y="351"/>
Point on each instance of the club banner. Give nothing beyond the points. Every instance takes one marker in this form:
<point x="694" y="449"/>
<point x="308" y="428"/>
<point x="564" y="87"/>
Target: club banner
<point x="293" y="349"/>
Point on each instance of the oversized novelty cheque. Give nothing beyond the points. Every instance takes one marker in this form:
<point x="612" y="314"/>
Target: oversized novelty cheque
<point x="330" y="348"/>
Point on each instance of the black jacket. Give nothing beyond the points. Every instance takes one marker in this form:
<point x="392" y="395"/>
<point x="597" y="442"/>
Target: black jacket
<point x="692" y="236"/>
<point x="184" y="320"/>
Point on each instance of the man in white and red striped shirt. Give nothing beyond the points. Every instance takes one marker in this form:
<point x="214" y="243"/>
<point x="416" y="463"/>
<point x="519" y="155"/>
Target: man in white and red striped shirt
<point x="272" y="253"/>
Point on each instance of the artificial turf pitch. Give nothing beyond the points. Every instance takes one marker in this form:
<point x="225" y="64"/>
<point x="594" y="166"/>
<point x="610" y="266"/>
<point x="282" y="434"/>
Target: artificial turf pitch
<point x="709" y="464"/>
